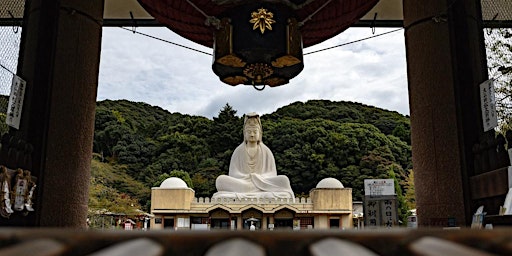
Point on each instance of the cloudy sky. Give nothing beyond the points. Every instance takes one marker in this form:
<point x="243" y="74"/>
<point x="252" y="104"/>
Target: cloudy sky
<point x="138" y="68"/>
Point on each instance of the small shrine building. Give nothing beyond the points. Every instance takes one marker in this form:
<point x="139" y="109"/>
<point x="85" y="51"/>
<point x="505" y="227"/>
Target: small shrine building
<point x="174" y="205"/>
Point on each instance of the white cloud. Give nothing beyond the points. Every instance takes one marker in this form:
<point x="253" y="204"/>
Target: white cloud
<point x="138" y="68"/>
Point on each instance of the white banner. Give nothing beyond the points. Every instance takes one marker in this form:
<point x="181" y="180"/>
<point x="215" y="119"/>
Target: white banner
<point x="379" y="187"/>
<point x="15" y="102"/>
<point x="488" y="104"/>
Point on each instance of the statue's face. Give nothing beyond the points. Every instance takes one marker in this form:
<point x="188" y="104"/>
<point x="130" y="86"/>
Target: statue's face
<point x="252" y="134"/>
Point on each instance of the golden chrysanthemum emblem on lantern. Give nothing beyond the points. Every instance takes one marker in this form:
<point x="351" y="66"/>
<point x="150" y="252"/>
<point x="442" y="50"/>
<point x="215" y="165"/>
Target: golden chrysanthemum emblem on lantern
<point x="262" y="19"/>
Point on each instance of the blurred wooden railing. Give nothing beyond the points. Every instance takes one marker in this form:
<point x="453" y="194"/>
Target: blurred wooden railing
<point x="45" y="242"/>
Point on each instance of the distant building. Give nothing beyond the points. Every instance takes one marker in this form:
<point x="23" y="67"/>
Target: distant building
<point x="329" y="206"/>
<point x="358" y="214"/>
<point x="412" y="220"/>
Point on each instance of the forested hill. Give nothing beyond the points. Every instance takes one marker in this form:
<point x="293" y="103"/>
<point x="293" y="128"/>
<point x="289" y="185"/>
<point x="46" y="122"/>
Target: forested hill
<point x="388" y="122"/>
<point x="310" y="141"/>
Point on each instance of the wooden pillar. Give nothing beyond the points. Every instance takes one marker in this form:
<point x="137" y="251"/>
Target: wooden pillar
<point x="240" y="223"/>
<point x="59" y="59"/>
<point x="271" y="219"/>
<point x="445" y="64"/>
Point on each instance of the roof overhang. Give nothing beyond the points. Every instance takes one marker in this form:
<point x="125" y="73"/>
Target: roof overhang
<point x="120" y="12"/>
<point x="387" y="13"/>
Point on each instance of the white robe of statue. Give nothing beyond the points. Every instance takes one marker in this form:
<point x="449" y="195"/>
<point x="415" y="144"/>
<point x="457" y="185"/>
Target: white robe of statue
<point x="252" y="170"/>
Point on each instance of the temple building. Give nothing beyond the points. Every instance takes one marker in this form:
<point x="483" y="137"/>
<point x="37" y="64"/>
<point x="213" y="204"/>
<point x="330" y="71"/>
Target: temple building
<point x="174" y="205"/>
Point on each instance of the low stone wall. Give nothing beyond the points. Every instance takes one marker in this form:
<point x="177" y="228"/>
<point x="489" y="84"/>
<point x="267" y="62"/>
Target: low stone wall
<point x="64" y="242"/>
<point x="207" y="200"/>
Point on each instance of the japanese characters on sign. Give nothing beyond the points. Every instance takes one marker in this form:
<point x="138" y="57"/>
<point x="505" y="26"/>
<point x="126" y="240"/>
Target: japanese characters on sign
<point x="380" y="208"/>
<point x="488" y="105"/>
<point x="379" y="187"/>
<point x="15" y="102"/>
<point x="389" y="209"/>
<point x="380" y="212"/>
<point x="372" y="213"/>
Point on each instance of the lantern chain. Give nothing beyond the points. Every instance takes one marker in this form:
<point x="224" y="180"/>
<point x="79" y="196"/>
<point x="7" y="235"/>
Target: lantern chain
<point x="355" y="41"/>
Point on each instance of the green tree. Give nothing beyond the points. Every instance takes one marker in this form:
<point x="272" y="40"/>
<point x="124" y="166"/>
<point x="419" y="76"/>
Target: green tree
<point x="205" y="175"/>
<point x="403" y="133"/>
<point x="499" y="62"/>
<point x="403" y="209"/>
<point x="225" y="135"/>
<point x="134" y="151"/>
<point x="310" y="150"/>
<point x="174" y="173"/>
<point x="410" y="195"/>
<point x="111" y="189"/>
<point x="109" y="130"/>
<point x="175" y="151"/>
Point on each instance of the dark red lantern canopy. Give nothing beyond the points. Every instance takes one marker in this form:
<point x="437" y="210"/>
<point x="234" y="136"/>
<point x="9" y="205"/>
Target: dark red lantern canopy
<point x="257" y="42"/>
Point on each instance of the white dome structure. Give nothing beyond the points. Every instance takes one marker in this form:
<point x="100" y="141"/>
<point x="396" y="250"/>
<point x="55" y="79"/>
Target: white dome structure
<point x="173" y="183"/>
<point x="329" y="183"/>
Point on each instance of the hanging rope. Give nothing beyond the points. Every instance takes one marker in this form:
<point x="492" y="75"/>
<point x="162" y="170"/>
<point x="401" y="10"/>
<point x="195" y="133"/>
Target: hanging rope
<point x="197" y="8"/>
<point x="163" y="40"/>
<point x="312" y="14"/>
<point x="440" y="17"/>
<point x="359" y="40"/>
<point x="373" y="23"/>
<point x="14" y="26"/>
<point x="321" y="50"/>
<point x="134" y="22"/>
<point x="8" y="70"/>
<point x="210" y="20"/>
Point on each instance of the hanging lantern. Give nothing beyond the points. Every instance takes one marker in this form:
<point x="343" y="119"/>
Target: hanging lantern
<point x="257" y="42"/>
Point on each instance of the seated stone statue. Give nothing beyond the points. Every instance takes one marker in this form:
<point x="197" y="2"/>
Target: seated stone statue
<point x="252" y="170"/>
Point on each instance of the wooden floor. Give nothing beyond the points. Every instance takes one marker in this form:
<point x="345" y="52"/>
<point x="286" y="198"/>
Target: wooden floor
<point x="40" y="241"/>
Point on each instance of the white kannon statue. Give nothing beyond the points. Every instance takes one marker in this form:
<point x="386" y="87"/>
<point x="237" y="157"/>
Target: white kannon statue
<point x="252" y="170"/>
